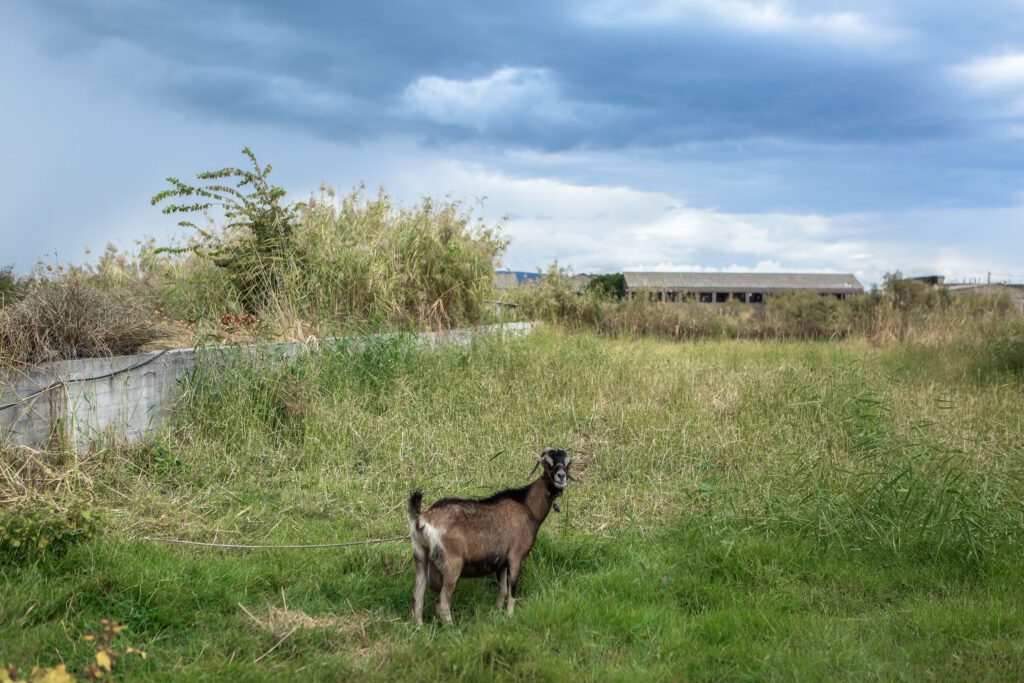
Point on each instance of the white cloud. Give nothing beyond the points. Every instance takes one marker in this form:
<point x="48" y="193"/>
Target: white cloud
<point x="997" y="83"/>
<point x="595" y="229"/>
<point x="481" y="103"/>
<point x="990" y="74"/>
<point x="745" y="15"/>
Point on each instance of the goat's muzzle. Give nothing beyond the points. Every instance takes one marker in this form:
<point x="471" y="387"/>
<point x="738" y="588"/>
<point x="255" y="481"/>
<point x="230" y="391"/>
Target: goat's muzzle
<point x="560" y="478"/>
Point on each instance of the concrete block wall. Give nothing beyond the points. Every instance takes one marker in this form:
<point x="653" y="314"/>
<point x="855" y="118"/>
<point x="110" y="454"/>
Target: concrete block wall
<point x="78" y="402"/>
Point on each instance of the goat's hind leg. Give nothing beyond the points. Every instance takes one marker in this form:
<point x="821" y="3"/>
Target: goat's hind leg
<point x="452" y="571"/>
<point x="502" y="586"/>
<point x="419" y="589"/>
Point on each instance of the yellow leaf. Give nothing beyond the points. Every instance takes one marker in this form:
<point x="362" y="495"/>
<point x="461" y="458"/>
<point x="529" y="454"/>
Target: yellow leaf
<point x="103" y="660"/>
<point x="119" y="629"/>
<point x="58" y="674"/>
<point x="90" y="637"/>
<point x="131" y="651"/>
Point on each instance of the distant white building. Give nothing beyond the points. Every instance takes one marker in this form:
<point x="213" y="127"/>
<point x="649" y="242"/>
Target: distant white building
<point x="744" y="287"/>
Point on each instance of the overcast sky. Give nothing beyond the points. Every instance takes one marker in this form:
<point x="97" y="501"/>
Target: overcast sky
<point x="827" y="135"/>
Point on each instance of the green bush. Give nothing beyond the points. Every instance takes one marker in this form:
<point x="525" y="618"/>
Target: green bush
<point x="255" y="247"/>
<point x="11" y="286"/>
<point x="612" y="285"/>
<point x="1002" y="351"/>
<point x="35" y="525"/>
<point x="552" y="298"/>
<point x="804" y="314"/>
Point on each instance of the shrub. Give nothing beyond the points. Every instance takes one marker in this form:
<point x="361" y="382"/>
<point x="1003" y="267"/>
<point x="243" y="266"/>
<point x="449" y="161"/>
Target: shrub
<point x="552" y="298"/>
<point x="912" y="295"/>
<point x="1002" y="351"/>
<point x="612" y="286"/>
<point x="368" y="261"/>
<point x="71" y="317"/>
<point x="804" y="314"/>
<point x="11" y="286"/>
<point x="37" y="524"/>
<point x="326" y="263"/>
<point x="256" y="244"/>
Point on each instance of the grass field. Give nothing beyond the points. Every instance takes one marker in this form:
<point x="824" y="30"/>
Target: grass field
<point x="748" y="510"/>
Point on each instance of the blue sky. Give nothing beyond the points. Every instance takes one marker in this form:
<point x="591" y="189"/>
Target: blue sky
<point x="663" y="134"/>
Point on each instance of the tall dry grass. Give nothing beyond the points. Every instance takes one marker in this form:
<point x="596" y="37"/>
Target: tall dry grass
<point x="903" y="312"/>
<point x="351" y="262"/>
<point x="73" y="317"/>
<point x="365" y="260"/>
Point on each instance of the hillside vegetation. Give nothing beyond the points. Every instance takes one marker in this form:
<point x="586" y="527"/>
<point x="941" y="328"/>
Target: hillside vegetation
<point x="748" y="509"/>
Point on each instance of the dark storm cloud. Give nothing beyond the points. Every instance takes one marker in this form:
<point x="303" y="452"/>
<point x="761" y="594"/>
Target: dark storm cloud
<point x="649" y="83"/>
<point x="868" y="117"/>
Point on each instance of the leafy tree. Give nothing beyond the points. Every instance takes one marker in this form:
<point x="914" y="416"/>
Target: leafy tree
<point x="612" y="285"/>
<point x="911" y="295"/>
<point x="257" y="241"/>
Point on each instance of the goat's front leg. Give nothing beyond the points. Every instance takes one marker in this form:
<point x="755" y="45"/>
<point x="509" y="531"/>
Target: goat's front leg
<point x="514" y="567"/>
<point x="419" y="589"/>
<point x="450" y="580"/>
<point x="502" y="586"/>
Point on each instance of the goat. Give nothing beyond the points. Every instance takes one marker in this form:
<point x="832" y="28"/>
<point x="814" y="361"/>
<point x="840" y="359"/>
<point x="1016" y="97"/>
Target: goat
<point x="459" y="538"/>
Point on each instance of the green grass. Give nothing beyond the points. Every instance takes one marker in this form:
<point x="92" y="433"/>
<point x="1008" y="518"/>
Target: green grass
<point x="749" y="510"/>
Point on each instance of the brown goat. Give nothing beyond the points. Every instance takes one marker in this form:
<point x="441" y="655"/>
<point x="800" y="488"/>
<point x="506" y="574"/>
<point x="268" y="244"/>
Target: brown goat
<point x="459" y="538"/>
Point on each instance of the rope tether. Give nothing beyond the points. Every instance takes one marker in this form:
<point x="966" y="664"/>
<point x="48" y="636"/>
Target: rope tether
<point x="370" y="541"/>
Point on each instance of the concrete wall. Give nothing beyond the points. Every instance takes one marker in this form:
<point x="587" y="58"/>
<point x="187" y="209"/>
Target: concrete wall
<point x="77" y="402"/>
<point x="1015" y="292"/>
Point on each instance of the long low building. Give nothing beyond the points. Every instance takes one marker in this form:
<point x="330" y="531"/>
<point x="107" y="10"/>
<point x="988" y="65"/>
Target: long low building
<point x="744" y="287"/>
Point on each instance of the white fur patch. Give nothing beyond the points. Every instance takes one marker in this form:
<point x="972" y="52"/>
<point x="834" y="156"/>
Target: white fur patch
<point x="432" y="536"/>
<point x="424" y="539"/>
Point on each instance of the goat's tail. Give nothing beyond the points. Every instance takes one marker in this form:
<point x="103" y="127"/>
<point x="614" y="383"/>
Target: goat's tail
<point x="415" y="507"/>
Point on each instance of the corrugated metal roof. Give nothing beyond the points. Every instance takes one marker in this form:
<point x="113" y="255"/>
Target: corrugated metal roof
<point x="832" y="283"/>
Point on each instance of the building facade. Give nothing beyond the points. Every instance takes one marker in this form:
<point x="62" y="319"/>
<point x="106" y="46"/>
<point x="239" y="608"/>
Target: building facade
<point x="749" y="288"/>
